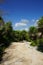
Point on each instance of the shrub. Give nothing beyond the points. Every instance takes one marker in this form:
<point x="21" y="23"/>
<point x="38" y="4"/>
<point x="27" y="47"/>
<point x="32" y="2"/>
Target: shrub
<point x="40" y="46"/>
<point x="33" y="43"/>
<point x="1" y="53"/>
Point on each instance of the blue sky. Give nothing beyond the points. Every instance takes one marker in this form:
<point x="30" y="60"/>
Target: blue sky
<point x="22" y="13"/>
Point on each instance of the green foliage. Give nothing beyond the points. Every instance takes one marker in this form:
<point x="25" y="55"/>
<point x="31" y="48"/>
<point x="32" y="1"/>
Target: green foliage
<point x="1" y="22"/>
<point x="33" y="30"/>
<point x="40" y="22"/>
<point x="20" y="35"/>
<point x="40" y="46"/>
<point x="24" y="35"/>
<point x="33" y="43"/>
<point x="1" y="53"/>
<point x="33" y="33"/>
<point x="8" y="26"/>
<point x="40" y="28"/>
<point x="5" y="36"/>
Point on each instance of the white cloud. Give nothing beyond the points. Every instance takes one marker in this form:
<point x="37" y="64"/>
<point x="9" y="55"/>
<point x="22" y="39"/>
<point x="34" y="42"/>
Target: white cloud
<point x="20" y="24"/>
<point x="23" y="22"/>
<point x="35" y="24"/>
<point x="37" y="20"/>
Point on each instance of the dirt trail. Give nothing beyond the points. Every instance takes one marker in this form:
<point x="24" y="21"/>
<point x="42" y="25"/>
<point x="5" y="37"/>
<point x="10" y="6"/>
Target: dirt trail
<point x="22" y="54"/>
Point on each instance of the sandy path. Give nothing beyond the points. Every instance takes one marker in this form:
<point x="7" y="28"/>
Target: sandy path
<point x="22" y="54"/>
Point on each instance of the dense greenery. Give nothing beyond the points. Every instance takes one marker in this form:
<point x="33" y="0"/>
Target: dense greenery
<point x="20" y="35"/>
<point x="33" y="33"/>
<point x="5" y="35"/>
<point x="36" y="35"/>
<point x="40" y="22"/>
<point x="40" y="29"/>
<point x="8" y="35"/>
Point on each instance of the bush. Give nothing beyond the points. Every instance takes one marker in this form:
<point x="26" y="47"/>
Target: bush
<point x="40" y="46"/>
<point x="33" y="43"/>
<point x="1" y="53"/>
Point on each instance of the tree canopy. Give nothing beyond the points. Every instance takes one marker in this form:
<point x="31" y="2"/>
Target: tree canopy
<point x="40" y="22"/>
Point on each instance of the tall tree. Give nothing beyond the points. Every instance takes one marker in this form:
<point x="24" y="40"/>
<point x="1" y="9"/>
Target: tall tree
<point x="40" y="25"/>
<point x="40" y="22"/>
<point x="32" y="32"/>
